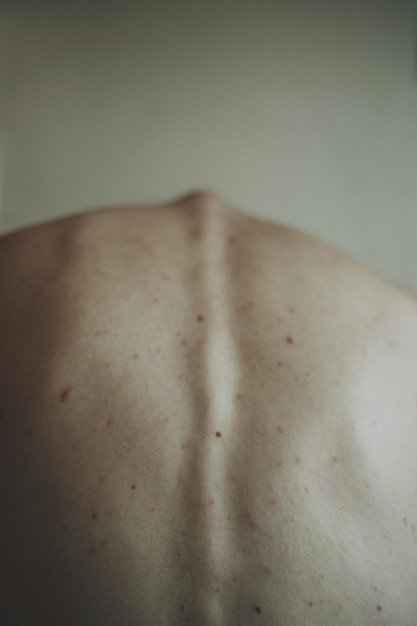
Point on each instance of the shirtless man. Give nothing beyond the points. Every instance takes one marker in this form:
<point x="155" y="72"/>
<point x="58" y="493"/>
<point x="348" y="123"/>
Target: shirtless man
<point x="205" y="419"/>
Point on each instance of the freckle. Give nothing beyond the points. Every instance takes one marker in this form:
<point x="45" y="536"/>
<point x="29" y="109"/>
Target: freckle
<point x="334" y="459"/>
<point x="66" y="394"/>
<point x="92" y="549"/>
<point x="184" y="342"/>
<point x="297" y="460"/>
<point x="279" y="429"/>
<point x="291" y="309"/>
<point x="135" y="356"/>
<point x="278" y="464"/>
<point x="109" y="422"/>
<point x="218" y="434"/>
<point x="101" y="479"/>
<point x="306" y="489"/>
<point x="379" y="608"/>
<point x="200" y="318"/>
<point x="239" y="397"/>
<point x="133" y="487"/>
<point x="279" y="363"/>
<point x="289" y="340"/>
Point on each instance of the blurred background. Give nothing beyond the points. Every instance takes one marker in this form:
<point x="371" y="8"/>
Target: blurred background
<point x="297" y="111"/>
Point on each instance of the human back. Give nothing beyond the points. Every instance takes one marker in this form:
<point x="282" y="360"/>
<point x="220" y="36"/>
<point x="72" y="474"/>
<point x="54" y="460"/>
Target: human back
<point x="205" y="419"/>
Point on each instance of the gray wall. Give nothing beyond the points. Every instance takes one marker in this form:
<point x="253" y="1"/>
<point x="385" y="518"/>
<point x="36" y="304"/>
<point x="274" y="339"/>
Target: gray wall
<point x="304" y="112"/>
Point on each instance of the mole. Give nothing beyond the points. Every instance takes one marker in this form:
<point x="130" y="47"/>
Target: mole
<point x="218" y="434"/>
<point x="289" y="340"/>
<point x="258" y="609"/>
<point x="66" y="394"/>
<point x="200" y="318"/>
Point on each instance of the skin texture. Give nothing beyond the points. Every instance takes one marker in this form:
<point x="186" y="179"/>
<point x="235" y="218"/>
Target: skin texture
<point x="205" y="419"/>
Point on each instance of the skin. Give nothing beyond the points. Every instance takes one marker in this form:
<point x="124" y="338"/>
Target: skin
<point x="205" y="419"/>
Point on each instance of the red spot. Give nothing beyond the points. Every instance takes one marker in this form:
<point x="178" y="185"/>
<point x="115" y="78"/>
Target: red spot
<point x="66" y="394"/>
<point x="289" y="340"/>
<point x="379" y="608"/>
<point x="218" y="434"/>
<point x="200" y="318"/>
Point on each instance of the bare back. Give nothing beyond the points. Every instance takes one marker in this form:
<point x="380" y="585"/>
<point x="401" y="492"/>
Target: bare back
<point x="205" y="419"/>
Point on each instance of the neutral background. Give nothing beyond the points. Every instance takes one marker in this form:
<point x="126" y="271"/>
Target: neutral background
<point x="298" y="111"/>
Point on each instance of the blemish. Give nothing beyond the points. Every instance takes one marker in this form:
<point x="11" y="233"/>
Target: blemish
<point x="200" y="318"/>
<point x="66" y="394"/>
<point x="218" y="433"/>
<point x="258" y="609"/>
<point x="289" y="340"/>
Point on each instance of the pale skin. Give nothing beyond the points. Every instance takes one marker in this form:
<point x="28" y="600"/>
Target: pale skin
<point x="205" y="419"/>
